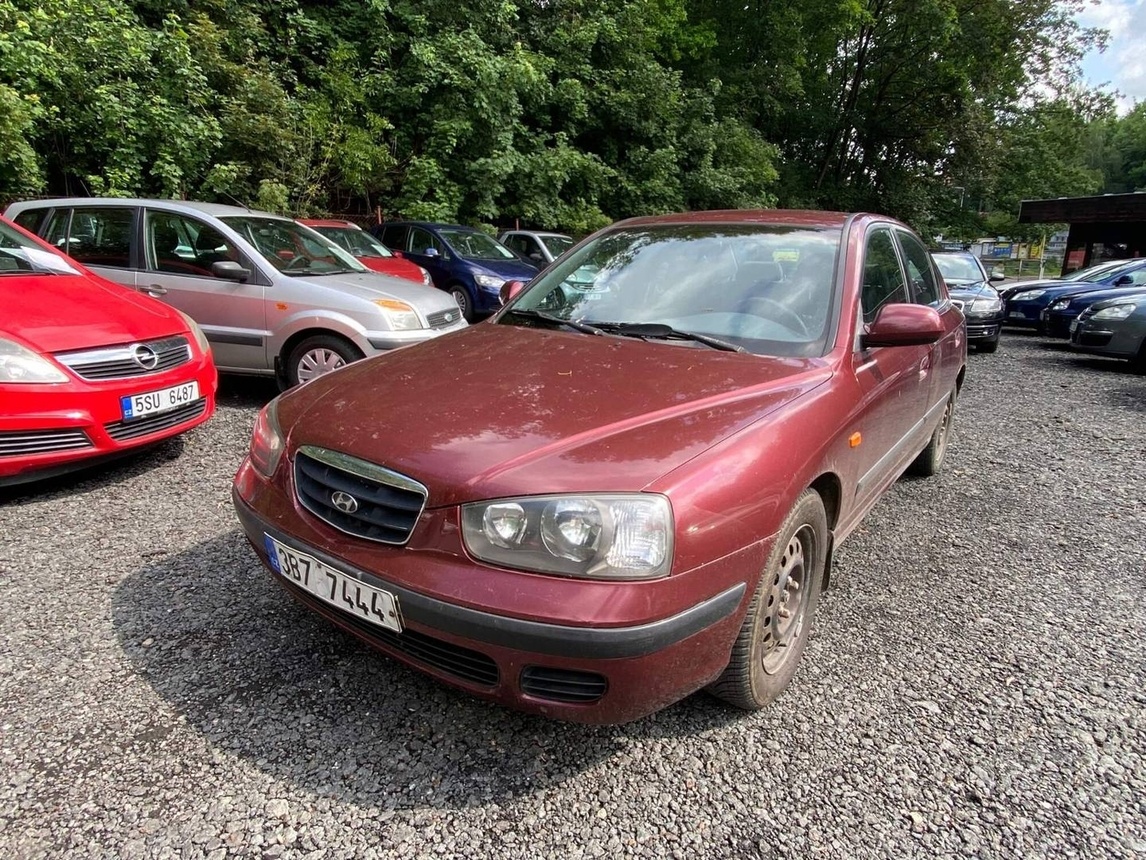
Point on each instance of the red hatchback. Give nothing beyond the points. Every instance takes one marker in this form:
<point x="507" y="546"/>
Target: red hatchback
<point x="369" y="251"/>
<point x="628" y="484"/>
<point x="88" y="369"/>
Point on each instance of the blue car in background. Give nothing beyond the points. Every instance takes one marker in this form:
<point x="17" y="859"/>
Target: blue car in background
<point x="1064" y="310"/>
<point x="467" y="263"/>
<point x="1026" y="302"/>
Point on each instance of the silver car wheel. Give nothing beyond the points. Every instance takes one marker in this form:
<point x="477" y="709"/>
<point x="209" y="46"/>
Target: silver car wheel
<point x="315" y="362"/>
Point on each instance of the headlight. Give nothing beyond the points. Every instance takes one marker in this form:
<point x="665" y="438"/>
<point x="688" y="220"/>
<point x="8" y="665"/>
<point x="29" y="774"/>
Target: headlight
<point x="267" y="443"/>
<point x="490" y="282"/>
<point x="612" y="536"/>
<point x="1060" y="305"/>
<point x="426" y="279"/>
<point x="985" y="306"/>
<point x="1028" y="296"/>
<point x="401" y="316"/>
<point x="1115" y="312"/>
<point x="196" y="332"/>
<point x="20" y="364"/>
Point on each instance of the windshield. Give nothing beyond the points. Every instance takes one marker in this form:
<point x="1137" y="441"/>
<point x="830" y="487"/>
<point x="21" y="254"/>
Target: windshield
<point x="357" y="242"/>
<point x="766" y="288"/>
<point x="292" y="248"/>
<point x="19" y="255"/>
<point x="1099" y="270"/>
<point x="557" y="245"/>
<point x="958" y="268"/>
<point x="474" y="245"/>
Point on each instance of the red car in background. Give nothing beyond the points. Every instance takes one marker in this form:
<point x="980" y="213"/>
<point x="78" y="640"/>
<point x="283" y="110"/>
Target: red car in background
<point x="88" y="369"/>
<point x="368" y="250"/>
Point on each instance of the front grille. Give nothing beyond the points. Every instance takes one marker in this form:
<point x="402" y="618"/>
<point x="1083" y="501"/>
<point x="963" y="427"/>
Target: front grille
<point x="444" y="318"/>
<point x="462" y="663"/>
<point x="562" y="685"/>
<point x="124" y="430"/>
<point x="119" y="362"/>
<point x="14" y="443"/>
<point x="357" y="497"/>
<point x="981" y="330"/>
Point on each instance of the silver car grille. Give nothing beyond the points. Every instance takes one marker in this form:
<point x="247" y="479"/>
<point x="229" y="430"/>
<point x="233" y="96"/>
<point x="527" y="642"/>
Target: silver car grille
<point x="122" y="362"/>
<point x="444" y="318"/>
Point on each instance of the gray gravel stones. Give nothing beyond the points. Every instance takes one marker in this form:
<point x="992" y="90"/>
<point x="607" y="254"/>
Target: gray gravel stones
<point x="976" y="686"/>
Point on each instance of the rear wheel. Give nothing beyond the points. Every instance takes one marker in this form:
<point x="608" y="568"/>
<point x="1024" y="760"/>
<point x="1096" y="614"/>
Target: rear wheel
<point x="317" y="355"/>
<point x="930" y="460"/>
<point x="779" y="620"/>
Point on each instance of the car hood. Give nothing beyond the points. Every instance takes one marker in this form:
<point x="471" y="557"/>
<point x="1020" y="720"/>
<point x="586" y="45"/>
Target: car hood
<point x="497" y="411"/>
<point x="512" y="269"/>
<point x="1050" y="289"/>
<point x="372" y="285"/>
<point x="1086" y="298"/>
<point x="53" y="313"/>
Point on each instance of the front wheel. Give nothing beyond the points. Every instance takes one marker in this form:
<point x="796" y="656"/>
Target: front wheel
<point x="779" y="620"/>
<point x="989" y="346"/>
<point x="930" y="459"/>
<point x="463" y="300"/>
<point x="317" y="355"/>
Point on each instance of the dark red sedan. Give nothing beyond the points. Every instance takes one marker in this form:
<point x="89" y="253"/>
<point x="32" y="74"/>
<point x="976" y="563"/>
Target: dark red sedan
<point x="88" y="369"/>
<point x="368" y="250"/>
<point x="628" y="484"/>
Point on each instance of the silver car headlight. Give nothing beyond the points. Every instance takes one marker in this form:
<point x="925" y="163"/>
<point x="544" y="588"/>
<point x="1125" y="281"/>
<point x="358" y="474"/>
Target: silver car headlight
<point x="599" y="536"/>
<point x="400" y="315"/>
<point x="985" y="306"/>
<point x="20" y="365"/>
<point x="490" y="282"/>
<point x="1115" y="312"/>
<point x="1028" y="296"/>
<point x="196" y="333"/>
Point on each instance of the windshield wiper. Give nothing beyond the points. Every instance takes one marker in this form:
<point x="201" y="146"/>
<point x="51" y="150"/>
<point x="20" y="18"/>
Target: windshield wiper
<point x="550" y="318"/>
<point x="660" y="331"/>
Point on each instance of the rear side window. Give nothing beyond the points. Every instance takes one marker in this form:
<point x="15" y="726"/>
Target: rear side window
<point x="394" y="238"/>
<point x="882" y="277"/>
<point x="924" y="287"/>
<point x="31" y="219"/>
<point x="101" y="237"/>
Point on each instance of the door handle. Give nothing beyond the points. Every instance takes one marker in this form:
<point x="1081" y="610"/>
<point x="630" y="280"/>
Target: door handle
<point x="155" y="290"/>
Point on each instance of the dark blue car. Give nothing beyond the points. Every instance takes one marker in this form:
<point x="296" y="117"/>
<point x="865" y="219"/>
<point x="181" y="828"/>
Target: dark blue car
<point x="1026" y="302"/>
<point x="1058" y="317"/>
<point x="467" y="263"/>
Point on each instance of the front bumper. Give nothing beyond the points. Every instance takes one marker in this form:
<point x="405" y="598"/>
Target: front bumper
<point x="1057" y="323"/>
<point x="1100" y="340"/>
<point x="48" y="430"/>
<point x="618" y="671"/>
<point x="984" y="328"/>
<point x="384" y="341"/>
<point x="1024" y="314"/>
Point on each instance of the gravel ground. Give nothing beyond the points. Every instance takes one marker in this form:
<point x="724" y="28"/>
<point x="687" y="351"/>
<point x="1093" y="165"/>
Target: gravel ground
<point x="976" y="685"/>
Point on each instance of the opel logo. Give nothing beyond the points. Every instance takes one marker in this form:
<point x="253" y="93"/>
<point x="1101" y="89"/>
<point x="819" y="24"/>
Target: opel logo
<point x="145" y="357"/>
<point x="344" y="502"/>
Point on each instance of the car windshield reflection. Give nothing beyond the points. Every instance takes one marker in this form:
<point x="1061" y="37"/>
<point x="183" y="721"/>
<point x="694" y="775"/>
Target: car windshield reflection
<point x="292" y="248"/>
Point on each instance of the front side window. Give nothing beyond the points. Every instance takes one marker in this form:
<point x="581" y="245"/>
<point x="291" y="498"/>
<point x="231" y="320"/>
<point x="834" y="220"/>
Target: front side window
<point x="422" y="240"/>
<point x="181" y="245"/>
<point x="394" y="238"/>
<point x="924" y="285"/>
<point x="291" y="248"/>
<point x="101" y="237"/>
<point x="767" y="288"/>
<point x="882" y="276"/>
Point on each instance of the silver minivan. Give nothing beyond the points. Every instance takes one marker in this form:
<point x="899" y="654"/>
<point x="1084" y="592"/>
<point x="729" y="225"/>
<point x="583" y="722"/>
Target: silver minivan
<point x="272" y="296"/>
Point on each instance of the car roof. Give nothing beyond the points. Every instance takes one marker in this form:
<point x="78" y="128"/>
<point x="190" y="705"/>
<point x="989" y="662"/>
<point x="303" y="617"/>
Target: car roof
<point x="789" y="217"/>
<point x="433" y="225"/>
<point x="329" y="222"/>
<point x="190" y="207"/>
<point x="535" y="233"/>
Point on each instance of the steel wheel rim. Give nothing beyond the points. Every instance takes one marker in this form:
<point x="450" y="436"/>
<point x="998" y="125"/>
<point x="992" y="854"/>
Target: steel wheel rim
<point x="461" y="300"/>
<point x="318" y="361"/>
<point x="786" y="609"/>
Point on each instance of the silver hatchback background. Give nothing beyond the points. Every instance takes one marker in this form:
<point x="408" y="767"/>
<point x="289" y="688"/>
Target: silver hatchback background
<point x="272" y="296"/>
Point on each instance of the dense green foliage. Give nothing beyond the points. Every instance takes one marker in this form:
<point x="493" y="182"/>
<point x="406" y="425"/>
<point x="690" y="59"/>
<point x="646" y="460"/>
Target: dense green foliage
<point x="564" y="113"/>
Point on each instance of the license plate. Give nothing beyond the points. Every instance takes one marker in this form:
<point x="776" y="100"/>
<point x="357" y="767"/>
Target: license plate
<point x="335" y="587"/>
<point x="1073" y="326"/>
<point x="1017" y="315"/>
<point x="154" y="402"/>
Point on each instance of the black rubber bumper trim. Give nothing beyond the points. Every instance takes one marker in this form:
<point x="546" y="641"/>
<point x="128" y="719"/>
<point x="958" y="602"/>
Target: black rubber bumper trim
<point x="597" y="643"/>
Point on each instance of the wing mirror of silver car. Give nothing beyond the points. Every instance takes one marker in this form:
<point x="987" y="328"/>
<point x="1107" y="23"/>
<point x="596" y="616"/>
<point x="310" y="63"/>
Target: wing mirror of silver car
<point x="230" y="270"/>
<point x="904" y="325"/>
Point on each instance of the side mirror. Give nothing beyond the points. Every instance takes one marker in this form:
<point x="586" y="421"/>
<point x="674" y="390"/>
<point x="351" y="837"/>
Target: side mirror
<point x="510" y="289"/>
<point x="397" y="254"/>
<point x="536" y="257"/>
<point x="1123" y="281"/>
<point x="997" y="276"/>
<point x="904" y="325"/>
<point x="230" y="271"/>
<point x="431" y="252"/>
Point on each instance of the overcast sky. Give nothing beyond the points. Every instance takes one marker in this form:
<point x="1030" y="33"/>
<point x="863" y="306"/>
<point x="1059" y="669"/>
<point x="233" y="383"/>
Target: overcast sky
<point x="1123" y="64"/>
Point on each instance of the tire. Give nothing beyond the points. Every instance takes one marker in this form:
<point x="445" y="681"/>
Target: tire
<point x="772" y="638"/>
<point x="463" y="300"/>
<point x="989" y="346"/>
<point x="930" y="460"/>
<point x="317" y="355"/>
